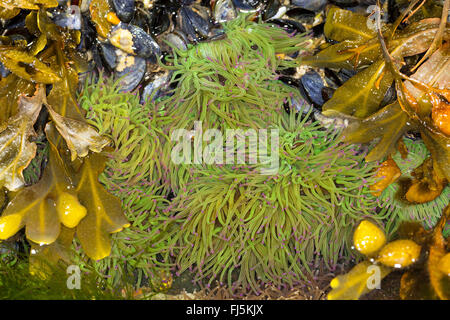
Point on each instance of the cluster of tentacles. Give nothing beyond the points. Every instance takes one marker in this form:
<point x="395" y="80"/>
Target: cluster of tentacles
<point x="231" y="222"/>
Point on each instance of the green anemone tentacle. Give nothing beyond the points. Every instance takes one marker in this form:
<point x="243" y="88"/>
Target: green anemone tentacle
<point x="242" y="227"/>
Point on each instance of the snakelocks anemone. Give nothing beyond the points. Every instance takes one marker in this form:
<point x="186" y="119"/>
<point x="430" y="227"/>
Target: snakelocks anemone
<point x="238" y="222"/>
<point x="242" y="227"/>
<point x="133" y="174"/>
<point x="229" y="83"/>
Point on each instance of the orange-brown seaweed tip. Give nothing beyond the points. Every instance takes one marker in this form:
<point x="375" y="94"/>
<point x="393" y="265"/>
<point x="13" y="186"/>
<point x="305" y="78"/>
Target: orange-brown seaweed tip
<point x="388" y="172"/>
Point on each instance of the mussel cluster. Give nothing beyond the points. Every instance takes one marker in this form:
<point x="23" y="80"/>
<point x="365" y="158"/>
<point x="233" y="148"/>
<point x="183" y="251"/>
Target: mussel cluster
<point x="127" y="38"/>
